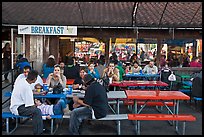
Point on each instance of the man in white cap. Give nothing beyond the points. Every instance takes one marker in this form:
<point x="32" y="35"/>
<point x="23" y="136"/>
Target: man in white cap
<point x="52" y="56"/>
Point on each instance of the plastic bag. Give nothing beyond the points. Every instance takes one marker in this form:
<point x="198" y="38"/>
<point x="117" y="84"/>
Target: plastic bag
<point x="172" y="77"/>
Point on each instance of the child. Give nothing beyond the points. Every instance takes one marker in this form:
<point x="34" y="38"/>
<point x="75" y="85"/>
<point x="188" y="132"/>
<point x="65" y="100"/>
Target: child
<point x="59" y="108"/>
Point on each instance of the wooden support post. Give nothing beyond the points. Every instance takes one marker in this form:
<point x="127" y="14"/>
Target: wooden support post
<point x="159" y="47"/>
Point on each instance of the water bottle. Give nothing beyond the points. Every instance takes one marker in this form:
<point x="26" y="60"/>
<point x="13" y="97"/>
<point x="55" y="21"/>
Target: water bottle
<point x="70" y="89"/>
<point x="140" y="71"/>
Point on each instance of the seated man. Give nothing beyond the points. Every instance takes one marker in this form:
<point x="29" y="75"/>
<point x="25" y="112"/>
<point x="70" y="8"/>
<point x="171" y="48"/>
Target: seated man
<point x="22" y="102"/>
<point x="95" y="102"/>
<point x="150" y="69"/>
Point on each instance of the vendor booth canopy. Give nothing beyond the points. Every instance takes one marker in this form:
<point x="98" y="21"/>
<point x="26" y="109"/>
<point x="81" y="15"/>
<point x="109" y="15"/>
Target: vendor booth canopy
<point x="104" y="14"/>
<point x="178" y="42"/>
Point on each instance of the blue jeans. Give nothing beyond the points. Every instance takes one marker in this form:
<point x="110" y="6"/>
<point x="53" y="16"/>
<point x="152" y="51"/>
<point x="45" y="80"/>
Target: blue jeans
<point x="60" y="106"/>
<point x="36" y="117"/>
<point x="76" y="117"/>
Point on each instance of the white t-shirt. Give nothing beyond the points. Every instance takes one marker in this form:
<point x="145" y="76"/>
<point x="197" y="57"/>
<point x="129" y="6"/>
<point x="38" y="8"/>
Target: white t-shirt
<point x="21" y="94"/>
<point x="22" y="76"/>
<point x="147" y="69"/>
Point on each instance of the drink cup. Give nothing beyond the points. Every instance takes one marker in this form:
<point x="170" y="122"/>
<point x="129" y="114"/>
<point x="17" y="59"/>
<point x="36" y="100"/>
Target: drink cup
<point x="140" y="71"/>
<point x="110" y="80"/>
<point x="45" y="87"/>
<point x="38" y="90"/>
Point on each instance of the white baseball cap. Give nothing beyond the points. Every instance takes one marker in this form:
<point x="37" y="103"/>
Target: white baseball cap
<point x="52" y="56"/>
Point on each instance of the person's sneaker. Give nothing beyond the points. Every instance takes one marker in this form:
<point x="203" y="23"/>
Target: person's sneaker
<point x="46" y="131"/>
<point x="67" y="113"/>
<point x="66" y="110"/>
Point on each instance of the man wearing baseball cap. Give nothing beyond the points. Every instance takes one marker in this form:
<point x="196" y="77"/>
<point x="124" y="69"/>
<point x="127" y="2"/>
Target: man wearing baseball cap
<point x="94" y="105"/>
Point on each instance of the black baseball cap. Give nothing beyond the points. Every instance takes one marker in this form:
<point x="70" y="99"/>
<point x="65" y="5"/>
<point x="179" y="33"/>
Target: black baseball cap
<point x="88" y="78"/>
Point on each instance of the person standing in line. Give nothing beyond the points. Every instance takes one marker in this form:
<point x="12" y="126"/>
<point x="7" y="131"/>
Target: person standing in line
<point x="100" y="67"/>
<point x="62" y="66"/>
<point x="22" y="102"/>
<point x="48" y="67"/>
<point x="6" y="59"/>
<point x="118" y="65"/>
<point x="142" y="55"/>
<point x="91" y="106"/>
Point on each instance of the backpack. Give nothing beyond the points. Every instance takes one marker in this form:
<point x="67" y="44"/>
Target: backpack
<point x="165" y="73"/>
<point x="197" y="87"/>
<point x="57" y="89"/>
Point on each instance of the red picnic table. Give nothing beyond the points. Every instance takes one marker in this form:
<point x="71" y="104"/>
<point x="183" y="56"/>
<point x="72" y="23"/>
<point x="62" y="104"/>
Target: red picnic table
<point x="126" y="83"/>
<point x="161" y="96"/>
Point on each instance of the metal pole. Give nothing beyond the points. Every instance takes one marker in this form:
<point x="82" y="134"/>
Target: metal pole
<point x="24" y="44"/>
<point x="12" y="65"/>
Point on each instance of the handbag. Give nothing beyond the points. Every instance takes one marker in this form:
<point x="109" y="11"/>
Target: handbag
<point x="57" y="89"/>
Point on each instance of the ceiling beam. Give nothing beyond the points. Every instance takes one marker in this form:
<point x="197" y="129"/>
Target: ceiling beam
<point x="81" y="13"/>
<point x="195" y="13"/>
<point x="134" y="14"/>
<point x="163" y="13"/>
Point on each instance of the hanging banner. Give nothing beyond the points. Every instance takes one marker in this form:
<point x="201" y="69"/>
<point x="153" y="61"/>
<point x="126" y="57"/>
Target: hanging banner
<point x="47" y="30"/>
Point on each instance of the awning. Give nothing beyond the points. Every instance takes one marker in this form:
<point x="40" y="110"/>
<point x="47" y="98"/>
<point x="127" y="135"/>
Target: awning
<point x="104" y="14"/>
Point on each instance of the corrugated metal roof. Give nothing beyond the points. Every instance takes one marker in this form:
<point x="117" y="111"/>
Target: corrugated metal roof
<point x="108" y="14"/>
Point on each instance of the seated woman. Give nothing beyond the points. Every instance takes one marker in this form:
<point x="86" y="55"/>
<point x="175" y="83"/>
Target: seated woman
<point x="136" y="68"/>
<point x="56" y="78"/>
<point x="78" y="82"/>
<point x="93" y="71"/>
<point x="128" y="69"/>
<point x="111" y="72"/>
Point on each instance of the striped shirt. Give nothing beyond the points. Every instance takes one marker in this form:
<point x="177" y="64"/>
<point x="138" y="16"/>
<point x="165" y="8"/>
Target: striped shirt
<point x="46" y="109"/>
